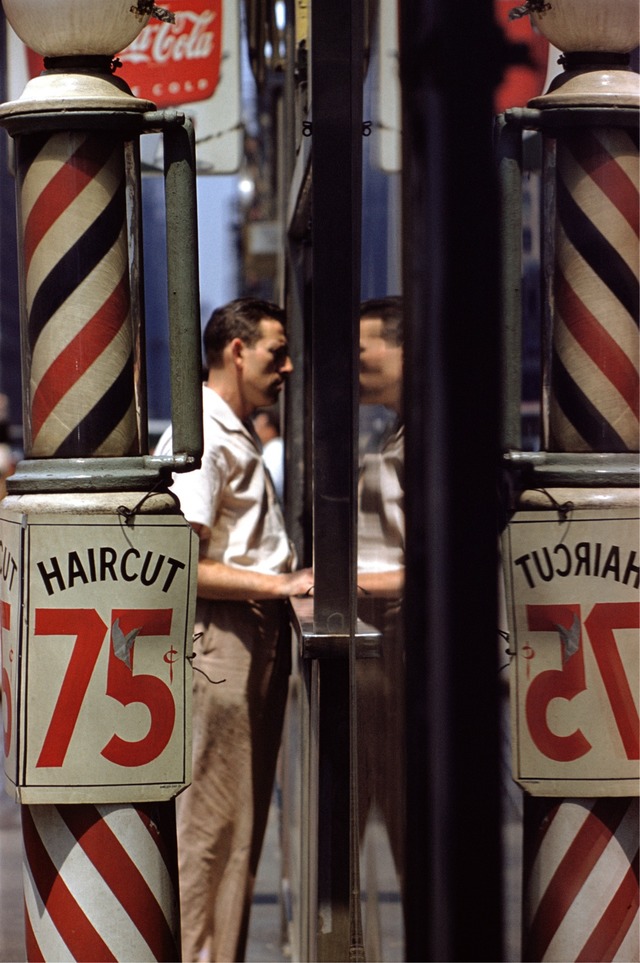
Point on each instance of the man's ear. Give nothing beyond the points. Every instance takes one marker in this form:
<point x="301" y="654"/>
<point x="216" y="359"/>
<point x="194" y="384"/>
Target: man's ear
<point x="237" y="350"/>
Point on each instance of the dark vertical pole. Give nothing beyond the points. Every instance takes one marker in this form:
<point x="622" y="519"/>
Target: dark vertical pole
<point x="450" y="62"/>
<point x="509" y="165"/>
<point x="336" y="103"/>
<point x="297" y="509"/>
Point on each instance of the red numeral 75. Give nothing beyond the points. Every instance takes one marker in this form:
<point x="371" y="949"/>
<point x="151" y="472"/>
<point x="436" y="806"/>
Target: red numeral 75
<point x="569" y="681"/>
<point x="5" y="686"/>
<point x="90" y="631"/>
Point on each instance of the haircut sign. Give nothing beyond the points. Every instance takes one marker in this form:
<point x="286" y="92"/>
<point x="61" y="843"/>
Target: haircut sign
<point x="97" y="619"/>
<point x="574" y="615"/>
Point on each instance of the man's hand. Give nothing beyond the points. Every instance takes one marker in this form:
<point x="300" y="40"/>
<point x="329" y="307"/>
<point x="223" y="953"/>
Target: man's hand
<point x="297" y="583"/>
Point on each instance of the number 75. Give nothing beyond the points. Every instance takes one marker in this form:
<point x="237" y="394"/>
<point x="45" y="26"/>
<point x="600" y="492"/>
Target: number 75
<point x="569" y="681"/>
<point x="121" y="684"/>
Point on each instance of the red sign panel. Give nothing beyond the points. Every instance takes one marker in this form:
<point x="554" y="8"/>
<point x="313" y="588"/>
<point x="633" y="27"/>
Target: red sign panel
<point x="172" y="63"/>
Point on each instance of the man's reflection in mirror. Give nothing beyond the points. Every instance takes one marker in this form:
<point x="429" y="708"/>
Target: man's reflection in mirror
<point x="381" y="561"/>
<point x="381" y="485"/>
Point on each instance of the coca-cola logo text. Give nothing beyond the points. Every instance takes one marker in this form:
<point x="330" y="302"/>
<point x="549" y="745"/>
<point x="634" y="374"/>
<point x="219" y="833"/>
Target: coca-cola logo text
<point x="177" y="63"/>
<point x="186" y="39"/>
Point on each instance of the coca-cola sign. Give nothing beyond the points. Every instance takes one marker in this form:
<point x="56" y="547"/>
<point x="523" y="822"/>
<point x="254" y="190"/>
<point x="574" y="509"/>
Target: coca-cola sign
<point x="172" y="63"/>
<point x="177" y="63"/>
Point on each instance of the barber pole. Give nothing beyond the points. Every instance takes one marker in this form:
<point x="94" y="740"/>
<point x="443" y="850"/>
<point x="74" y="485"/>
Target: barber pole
<point x="595" y="384"/>
<point x="73" y="215"/>
<point x="581" y="869"/>
<point x="98" y="581"/>
<point x="571" y="546"/>
<point x="100" y="884"/>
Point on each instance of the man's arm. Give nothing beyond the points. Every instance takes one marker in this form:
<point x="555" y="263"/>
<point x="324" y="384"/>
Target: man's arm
<point x="388" y="585"/>
<point x="219" y="581"/>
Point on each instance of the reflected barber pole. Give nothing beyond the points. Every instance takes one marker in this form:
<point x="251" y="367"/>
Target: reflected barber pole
<point x="595" y="385"/>
<point x="581" y="880"/>
<point x="581" y="823"/>
<point x="73" y="215"/>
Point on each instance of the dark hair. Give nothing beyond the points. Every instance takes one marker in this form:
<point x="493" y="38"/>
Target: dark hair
<point x="237" y="319"/>
<point x="389" y="310"/>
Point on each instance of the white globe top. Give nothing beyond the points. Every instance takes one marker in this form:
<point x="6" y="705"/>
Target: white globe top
<point x="611" y="26"/>
<point x="67" y="28"/>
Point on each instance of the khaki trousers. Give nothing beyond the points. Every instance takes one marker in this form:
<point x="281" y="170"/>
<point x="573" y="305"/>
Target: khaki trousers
<point x="245" y="651"/>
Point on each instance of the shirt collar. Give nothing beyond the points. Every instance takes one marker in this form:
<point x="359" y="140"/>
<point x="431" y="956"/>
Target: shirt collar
<point x="217" y="408"/>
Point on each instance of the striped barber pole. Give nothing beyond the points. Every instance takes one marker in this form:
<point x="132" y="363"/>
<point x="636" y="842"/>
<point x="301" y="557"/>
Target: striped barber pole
<point x="581" y="880"/>
<point x="74" y="230"/>
<point x="99" y="883"/>
<point x="595" y="387"/>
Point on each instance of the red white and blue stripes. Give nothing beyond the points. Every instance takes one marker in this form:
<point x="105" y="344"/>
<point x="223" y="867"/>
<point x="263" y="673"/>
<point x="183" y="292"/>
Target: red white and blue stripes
<point x="581" y="880"/>
<point x="99" y="883"/>
<point x="595" y="385"/>
<point x="76" y="275"/>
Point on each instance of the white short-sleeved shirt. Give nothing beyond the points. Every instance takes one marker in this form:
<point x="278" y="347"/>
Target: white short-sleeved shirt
<point x="381" y="529"/>
<point x="273" y="456"/>
<point x="232" y="494"/>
